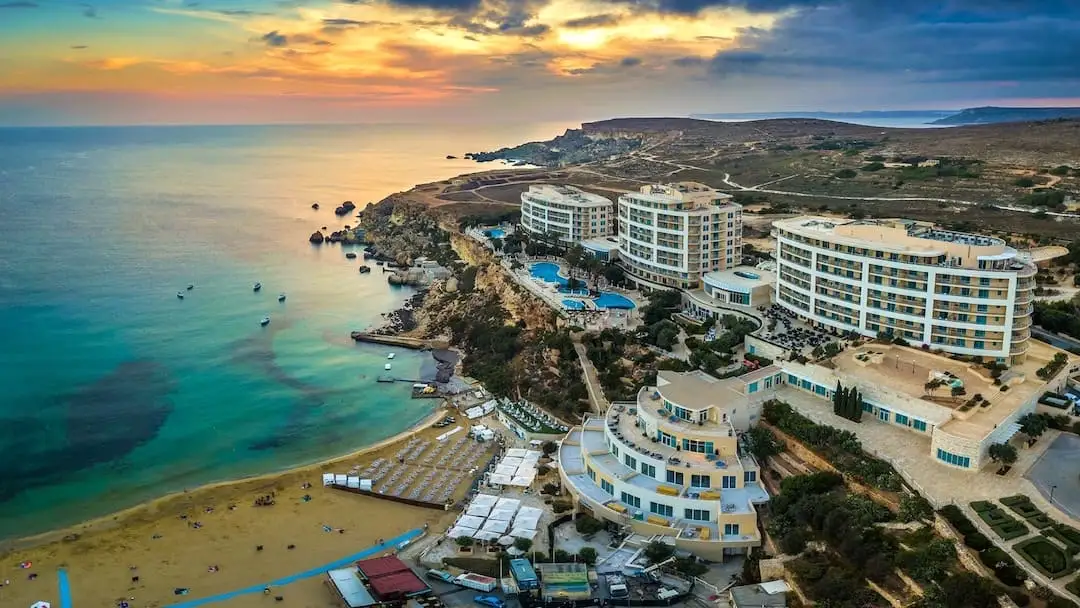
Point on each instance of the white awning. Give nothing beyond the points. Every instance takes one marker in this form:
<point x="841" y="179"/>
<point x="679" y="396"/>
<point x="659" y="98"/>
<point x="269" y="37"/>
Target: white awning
<point x="478" y="510"/>
<point x="470" y="521"/>
<point x="492" y="525"/>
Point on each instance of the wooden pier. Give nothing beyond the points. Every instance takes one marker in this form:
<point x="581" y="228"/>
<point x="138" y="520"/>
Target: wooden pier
<point x="400" y="341"/>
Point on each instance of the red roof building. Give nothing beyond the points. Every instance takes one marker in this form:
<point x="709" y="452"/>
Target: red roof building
<point x="390" y="579"/>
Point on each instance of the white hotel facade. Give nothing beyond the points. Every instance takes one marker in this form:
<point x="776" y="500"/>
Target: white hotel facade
<point x="571" y="213"/>
<point x="961" y="293"/>
<point x="671" y="235"/>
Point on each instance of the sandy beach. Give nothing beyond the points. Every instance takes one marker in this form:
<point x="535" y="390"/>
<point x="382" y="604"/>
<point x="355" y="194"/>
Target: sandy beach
<point x="159" y="543"/>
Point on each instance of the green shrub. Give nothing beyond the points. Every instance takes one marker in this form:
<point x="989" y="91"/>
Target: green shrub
<point x="1045" y="556"/>
<point x="1019" y="598"/>
<point x="1015" y="499"/>
<point x="1010" y="530"/>
<point x="1074" y="586"/>
<point x="1055" y="532"/>
<point x="951" y="513"/>
<point x="977" y="541"/>
<point x="995" y="517"/>
<point x="1040" y="521"/>
<point x="981" y="506"/>
<point x="845" y="173"/>
<point x="1026" y="510"/>
<point x="993" y="556"/>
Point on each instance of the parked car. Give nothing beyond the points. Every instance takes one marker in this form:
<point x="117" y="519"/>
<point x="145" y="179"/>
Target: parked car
<point x="490" y="601"/>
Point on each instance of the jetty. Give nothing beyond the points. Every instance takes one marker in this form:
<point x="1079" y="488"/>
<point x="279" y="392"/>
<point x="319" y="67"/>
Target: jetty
<point x="400" y="341"/>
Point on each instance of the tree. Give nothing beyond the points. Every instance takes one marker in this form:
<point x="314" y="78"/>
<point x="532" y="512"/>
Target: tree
<point x="614" y="274"/>
<point x="574" y="256"/>
<point x="1032" y="425"/>
<point x="549" y="447"/>
<point x="657" y="552"/>
<point x="914" y="508"/>
<point x="961" y="590"/>
<point x="932" y="386"/>
<point x="464" y="541"/>
<point x="587" y="555"/>
<point x="586" y="525"/>
<point x="957" y="392"/>
<point x="1003" y="453"/>
<point x="523" y="544"/>
<point x="793" y="542"/>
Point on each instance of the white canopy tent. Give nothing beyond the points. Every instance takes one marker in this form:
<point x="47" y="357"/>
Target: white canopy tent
<point x="526" y="470"/>
<point x="530" y="512"/>
<point x="508" y="503"/>
<point x="523" y="533"/>
<point x="486" y="500"/>
<point x="523" y="481"/>
<point x="513" y="461"/>
<point x="506" y="541"/>
<point x="460" y="532"/>
<point x="531" y="522"/>
<point x="470" y="521"/>
<point x="502" y="480"/>
<point x="531" y="456"/>
<point x="492" y="525"/>
<point x="506" y="515"/>
<point x="478" y="510"/>
<point x="516" y="452"/>
<point x="487" y="535"/>
<point x="506" y="469"/>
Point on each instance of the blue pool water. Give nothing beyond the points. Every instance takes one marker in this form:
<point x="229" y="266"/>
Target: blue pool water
<point x="573" y="305"/>
<point x="548" y="271"/>
<point x="608" y="299"/>
<point x="495" y="233"/>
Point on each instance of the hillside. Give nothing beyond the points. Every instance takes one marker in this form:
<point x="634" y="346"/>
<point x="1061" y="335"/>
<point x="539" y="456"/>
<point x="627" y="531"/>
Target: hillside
<point x="992" y="114"/>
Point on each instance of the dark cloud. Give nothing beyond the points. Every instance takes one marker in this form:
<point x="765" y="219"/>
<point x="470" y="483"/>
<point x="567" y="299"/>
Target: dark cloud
<point x="439" y="5"/>
<point x="965" y="42"/>
<point x="241" y="12"/>
<point x="89" y="11"/>
<point x="592" y="21"/>
<point x="18" y="5"/>
<point x="630" y="62"/>
<point x="689" y="61"/>
<point x="78" y="47"/>
<point x="274" y="39"/>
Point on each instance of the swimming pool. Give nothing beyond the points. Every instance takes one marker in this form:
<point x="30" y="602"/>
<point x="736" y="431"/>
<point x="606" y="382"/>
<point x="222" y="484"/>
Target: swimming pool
<point x="495" y="233"/>
<point x="573" y="305"/>
<point x="609" y="299"/>
<point x="548" y="271"/>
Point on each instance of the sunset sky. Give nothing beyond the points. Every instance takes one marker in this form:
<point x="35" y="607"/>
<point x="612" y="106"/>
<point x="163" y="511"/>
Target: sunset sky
<point x="263" y="61"/>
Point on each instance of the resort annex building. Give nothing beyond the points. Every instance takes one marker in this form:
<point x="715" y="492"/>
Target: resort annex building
<point x="571" y="213"/>
<point x="673" y="463"/>
<point x="671" y="235"/>
<point x="961" y="293"/>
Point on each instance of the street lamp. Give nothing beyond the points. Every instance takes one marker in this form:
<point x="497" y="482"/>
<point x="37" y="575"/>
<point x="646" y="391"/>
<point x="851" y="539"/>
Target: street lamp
<point x="1052" y="488"/>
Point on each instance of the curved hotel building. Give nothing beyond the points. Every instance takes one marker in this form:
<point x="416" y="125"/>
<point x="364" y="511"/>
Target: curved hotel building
<point x="571" y="213"/>
<point x="671" y="235"/>
<point x="674" y="463"/>
<point x="961" y="293"/>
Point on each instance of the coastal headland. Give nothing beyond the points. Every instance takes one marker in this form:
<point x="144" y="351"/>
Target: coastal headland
<point x="205" y="540"/>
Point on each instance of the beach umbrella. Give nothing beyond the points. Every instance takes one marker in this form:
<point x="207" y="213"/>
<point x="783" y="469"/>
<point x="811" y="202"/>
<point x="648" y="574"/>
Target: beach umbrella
<point x="41" y="605"/>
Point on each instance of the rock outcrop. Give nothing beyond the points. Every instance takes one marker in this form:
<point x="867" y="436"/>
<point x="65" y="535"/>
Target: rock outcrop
<point x="316" y="238"/>
<point x="344" y="208"/>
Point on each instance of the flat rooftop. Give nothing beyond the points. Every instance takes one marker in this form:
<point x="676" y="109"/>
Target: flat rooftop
<point x="601" y="243"/>
<point x="903" y="372"/>
<point x="697" y="390"/>
<point x="740" y="279"/>
<point x="569" y="195"/>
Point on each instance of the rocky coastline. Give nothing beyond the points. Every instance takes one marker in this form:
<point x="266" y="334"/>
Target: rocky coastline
<point x="403" y="319"/>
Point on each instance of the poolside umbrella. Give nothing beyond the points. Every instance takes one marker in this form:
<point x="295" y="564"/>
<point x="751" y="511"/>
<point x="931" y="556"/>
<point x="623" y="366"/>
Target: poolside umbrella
<point x="41" y="605"/>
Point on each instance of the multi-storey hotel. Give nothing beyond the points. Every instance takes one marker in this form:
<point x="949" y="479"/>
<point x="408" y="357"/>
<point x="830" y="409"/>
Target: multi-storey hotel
<point x="961" y="293"/>
<point x="673" y="234"/>
<point x="674" y="463"/>
<point x="572" y="214"/>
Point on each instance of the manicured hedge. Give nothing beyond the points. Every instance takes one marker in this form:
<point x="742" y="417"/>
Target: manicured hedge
<point x="995" y="517"/>
<point x="1040" y="521"/>
<point x="1015" y="499"/>
<point x="977" y="541"/>
<point x="1010" y="530"/>
<point x="1003" y="565"/>
<point x="1045" y="556"/>
<point x="1074" y="586"/>
<point x="1060" y="533"/>
<point x="983" y="505"/>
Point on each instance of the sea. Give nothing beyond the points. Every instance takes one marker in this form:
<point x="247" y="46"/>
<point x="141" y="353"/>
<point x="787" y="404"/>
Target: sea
<point x="114" y="391"/>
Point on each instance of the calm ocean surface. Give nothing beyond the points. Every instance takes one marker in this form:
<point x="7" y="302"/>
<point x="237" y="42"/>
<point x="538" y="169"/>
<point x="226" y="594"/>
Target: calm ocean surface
<point x="113" y="390"/>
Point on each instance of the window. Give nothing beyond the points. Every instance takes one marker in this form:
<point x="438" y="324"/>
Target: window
<point x="753" y="387"/>
<point x="661" y="509"/>
<point x="614" y="450"/>
<point x="630" y="461"/>
<point x="648" y="469"/>
<point x="697" y="514"/>
<point x="918" y="425"/>
<point x="631" y="500"/>
<point x="901" y="419"/>
<point x="592" y="473"/>
<point x="675" y="477"/>
<point x="866" y="407"/>
<point x="664" y="438"/>
<point x="731" y="529"/>
<point x="701" y="447"/>
<point x="749" y="477"/>
<point x="728" y="482"/>
<point x="606" y="486"/>
<point x="953" y="459"/>
<point x="700" y="481"/>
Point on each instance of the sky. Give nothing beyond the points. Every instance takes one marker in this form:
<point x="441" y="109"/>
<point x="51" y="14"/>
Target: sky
<point x="270" y="61"/>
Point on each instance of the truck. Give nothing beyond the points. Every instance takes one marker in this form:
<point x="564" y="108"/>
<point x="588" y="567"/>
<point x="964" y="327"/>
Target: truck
<point x="471" y="580"/>
<point x="440" y="575"/>
<point x="617" y="586"/>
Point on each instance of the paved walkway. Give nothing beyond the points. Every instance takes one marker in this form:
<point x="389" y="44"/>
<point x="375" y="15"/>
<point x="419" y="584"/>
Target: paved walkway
<point x="909" y="453"/>
<point x="599" y="403"/>
<point x="1054" y="473"/>
<point x="389" y="544"/>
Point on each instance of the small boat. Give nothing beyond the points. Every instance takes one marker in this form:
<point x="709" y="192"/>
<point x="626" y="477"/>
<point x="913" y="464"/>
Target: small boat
<point x="315" y="205"/>
<point x="281" y="298"/>
<point x="390" y="356"/>
<point x="386" y="367"/>
<point x="365" y="269"/>
<point x="378" y="262"/>
<point x="351" y="255"/>
<point x="257" y="287"/>
<point x="190" y="286"/>
<point x="180" y="295"/>
<point x="265" y="321"/>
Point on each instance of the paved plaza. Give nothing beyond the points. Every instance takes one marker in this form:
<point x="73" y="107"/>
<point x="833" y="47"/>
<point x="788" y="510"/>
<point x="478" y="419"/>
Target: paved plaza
<point x="1057" y="473"/>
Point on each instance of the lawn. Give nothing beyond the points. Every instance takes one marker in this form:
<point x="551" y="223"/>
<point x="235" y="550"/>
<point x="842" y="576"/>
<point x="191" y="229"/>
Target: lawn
<point x="1045" y="556"/>
<point x="1010" y="530"/>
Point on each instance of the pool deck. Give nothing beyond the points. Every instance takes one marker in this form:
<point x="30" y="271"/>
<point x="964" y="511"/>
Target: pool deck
<point x="591" y="317"/>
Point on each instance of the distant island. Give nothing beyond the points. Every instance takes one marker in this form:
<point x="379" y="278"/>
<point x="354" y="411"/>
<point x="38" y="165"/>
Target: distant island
<point x="927" y="115"/>
<point x="993" y="114"/>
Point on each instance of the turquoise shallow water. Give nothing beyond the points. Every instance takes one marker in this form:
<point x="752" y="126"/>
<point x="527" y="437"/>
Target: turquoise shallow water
<point x="112" y="390"/>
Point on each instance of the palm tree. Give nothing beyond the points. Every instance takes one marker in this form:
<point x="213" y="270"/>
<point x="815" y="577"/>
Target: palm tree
<point x="932" y="386"/>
